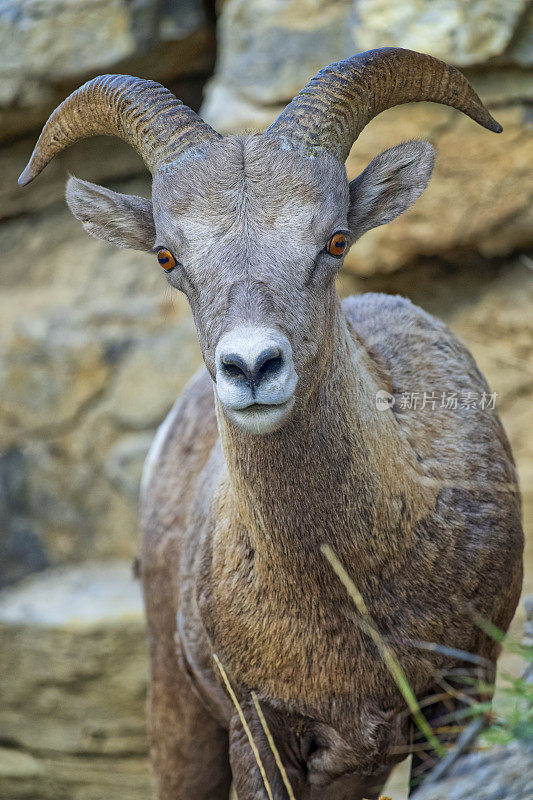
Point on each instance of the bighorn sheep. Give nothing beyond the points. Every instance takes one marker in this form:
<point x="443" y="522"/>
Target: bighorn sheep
<point x="245" y="483"/>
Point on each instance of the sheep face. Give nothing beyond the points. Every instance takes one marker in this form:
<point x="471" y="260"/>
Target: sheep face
<point x="248" y="226"/>
<point x="255" y="236"/>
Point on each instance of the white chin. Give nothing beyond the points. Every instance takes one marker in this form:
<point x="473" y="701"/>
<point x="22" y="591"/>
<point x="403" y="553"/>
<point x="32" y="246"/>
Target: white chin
<point x="260" y="419"/>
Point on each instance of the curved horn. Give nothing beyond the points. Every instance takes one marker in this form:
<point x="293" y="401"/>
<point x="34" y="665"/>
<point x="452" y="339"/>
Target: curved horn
<point x="331" y="111"/>
<point x="143" y="113"/>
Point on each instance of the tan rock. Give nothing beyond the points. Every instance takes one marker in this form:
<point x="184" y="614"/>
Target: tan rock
<point x="151" y="377"/>
<point x="268" y="49"/>
<point x="455" y="31"/>
<point x="49" y="373"/>
<point x="55" y="39"/>
<point x="50" y="40"/>
<point x="17" y="765"/>
<point x="521" y="48"/>
<point x="49" y="47"/>
<point x="478" y="198"/>
<point x="73" y="686"/>
<point x="498" y="328"/>
<point x="94" y="350"/>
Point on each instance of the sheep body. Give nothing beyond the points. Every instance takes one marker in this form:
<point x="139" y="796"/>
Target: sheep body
<point x="276" y="616"/>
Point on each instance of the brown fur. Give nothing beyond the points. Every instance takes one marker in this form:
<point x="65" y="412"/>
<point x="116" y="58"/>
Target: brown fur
<point x="422" y="507"/>
<point x="420" y="551"/>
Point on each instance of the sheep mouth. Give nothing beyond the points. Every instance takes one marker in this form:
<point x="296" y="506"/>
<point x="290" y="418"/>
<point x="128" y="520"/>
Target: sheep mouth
<point x="262" y="417"/>
<point x="265" y="406"/>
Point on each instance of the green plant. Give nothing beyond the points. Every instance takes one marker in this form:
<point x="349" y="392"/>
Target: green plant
<point x="512" y="715"/>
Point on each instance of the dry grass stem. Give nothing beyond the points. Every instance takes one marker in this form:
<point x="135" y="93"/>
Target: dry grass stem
<point x="272" y="744"/>
<point x="244" y="724"/>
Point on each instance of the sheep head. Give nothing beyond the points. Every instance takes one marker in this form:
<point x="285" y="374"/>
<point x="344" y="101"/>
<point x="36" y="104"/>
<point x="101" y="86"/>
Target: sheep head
<point x="254" y="228"/>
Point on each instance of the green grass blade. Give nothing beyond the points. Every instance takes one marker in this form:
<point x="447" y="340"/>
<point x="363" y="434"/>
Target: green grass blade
<point x="387" y="654"/>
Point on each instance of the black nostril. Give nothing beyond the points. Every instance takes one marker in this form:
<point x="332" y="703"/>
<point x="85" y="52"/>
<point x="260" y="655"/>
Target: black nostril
<point x="235" y="367"/>
<point x="267" y="364"/>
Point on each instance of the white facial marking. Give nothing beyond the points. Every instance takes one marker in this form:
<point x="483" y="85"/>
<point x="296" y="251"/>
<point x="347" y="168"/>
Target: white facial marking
<point x="255" y="377"/>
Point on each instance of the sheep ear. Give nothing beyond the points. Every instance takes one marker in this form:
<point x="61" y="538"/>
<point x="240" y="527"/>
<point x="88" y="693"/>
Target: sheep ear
<point x="389" y="185"/>
<point x="124" y="220"/>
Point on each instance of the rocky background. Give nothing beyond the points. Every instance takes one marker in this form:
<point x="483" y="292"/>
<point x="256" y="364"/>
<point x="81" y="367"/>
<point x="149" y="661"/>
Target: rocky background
<point x="94" y="348"/>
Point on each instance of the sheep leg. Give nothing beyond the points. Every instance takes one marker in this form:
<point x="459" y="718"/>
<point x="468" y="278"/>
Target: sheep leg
<point x="188" y="748"/>
<point x="248" y="780"/>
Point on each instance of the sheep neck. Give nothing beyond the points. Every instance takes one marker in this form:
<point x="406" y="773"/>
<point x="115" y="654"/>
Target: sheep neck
<point x="339" y="472"/>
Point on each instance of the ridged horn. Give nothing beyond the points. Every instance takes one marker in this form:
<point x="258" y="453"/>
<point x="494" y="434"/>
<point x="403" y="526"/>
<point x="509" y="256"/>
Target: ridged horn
<point x="331" y="111"/>
<point x="143" y="113"/>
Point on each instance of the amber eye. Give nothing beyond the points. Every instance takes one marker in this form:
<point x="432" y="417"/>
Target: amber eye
<point x="166" y="259"/>
<point x="337" y="245"/>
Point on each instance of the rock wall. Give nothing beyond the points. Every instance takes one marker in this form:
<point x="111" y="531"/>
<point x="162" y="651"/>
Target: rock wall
<point x="73" y="686"/>
<point x="93" y="352"/>
<point x="94" y="347"/>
